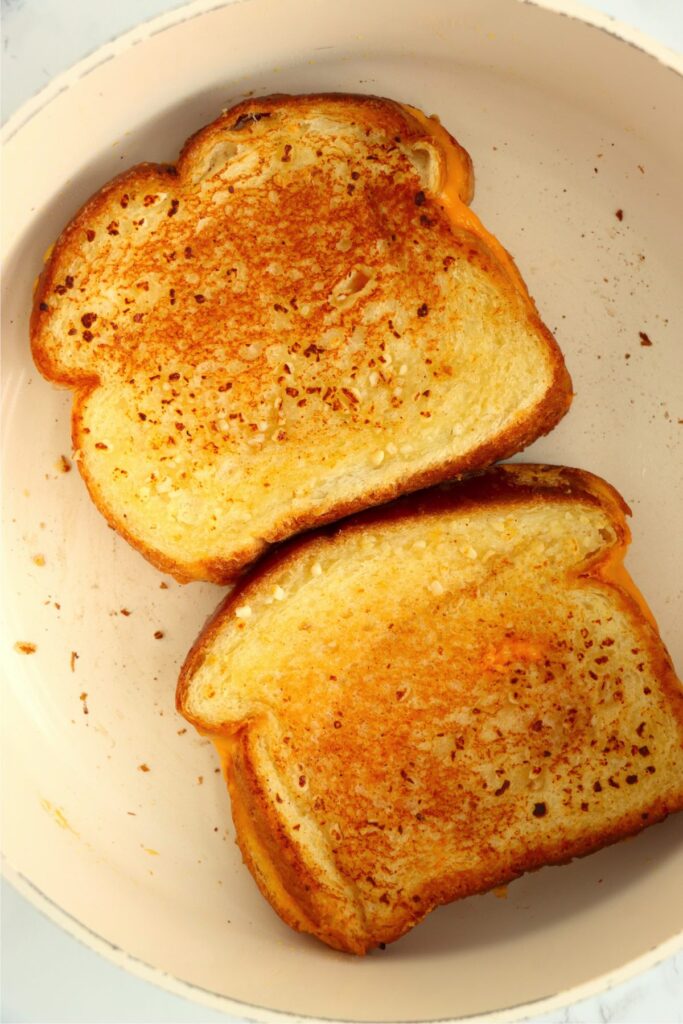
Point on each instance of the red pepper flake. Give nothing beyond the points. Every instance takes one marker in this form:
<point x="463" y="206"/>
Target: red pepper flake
<point x="90" y="235"/>
<point x="102" y="446"/>
<point x="125" y="199"/>
<point x="44" y="307"/>
<point x="420" y="198"/>
<point x="142" y="416"/>
<point x="631" y="779"/>
<point x="25" y="647"/>
<point x="200" y="299"/>
<point x="540" y="810"/>
<point x="619" y="214"/>
<point x="423" y="310"/>
<point x="113" y="227"/>
<point x="63" y="464"/>
<point x="126" y="612"/>
<point x="501" y="789"/>
<point x="138" y="318"/>
<point x="159" y="634"/>
<point x="286" y="156"/>
<point x="644" y="339"/>
<point x="88" y="335"/>
<point x="69" y="281"/>
<point x="144" y="767"/>
<point x="350" y="189"/>
<point x="302" y="781"/>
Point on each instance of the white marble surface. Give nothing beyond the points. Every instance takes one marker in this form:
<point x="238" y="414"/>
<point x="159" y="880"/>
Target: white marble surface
<point x="47" y="975"/>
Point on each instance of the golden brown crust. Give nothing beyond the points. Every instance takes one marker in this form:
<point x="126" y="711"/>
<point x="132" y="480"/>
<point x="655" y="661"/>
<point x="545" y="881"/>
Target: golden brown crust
<point x="222" y="566"/>
<point x="301" y="899"/>
<point x="501" y="489"/>
<point x="499" y="485"/>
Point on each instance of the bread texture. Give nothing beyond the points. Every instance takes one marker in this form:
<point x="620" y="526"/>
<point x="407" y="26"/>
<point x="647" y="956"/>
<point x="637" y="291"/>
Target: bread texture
<point x="434" y="697"/>
<point x="299" y="319"/>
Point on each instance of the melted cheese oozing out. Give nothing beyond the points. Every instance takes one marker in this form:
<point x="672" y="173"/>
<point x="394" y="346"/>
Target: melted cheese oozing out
<point x="454" y="185"/>
<point x="614" y="572"/>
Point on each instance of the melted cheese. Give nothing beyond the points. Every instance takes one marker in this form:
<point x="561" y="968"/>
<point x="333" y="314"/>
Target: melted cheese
<point x="614" y="572"/>
<point x="224" y="745"/>
<point x="499" y="658"/>
<point x="455" y="187"/>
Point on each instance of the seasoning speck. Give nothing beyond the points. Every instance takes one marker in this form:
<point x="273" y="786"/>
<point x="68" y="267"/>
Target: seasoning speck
<point x="644" y="339"/>
<point x="144" y="768"/>
<point x="619" y="214"/>
<point x="25" y="647"/>
<point x="73" y="659"/>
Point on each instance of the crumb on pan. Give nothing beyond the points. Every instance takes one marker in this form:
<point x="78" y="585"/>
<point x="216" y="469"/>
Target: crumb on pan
<point x="25" y="647"/>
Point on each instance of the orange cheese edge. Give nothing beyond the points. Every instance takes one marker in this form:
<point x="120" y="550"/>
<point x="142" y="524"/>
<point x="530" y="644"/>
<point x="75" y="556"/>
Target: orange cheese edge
<point x="614" y="571"/>
<point x="456" y="184"/>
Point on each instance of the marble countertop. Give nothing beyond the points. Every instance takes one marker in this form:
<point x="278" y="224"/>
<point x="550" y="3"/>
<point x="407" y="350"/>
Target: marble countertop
<point x="46" y="974"/>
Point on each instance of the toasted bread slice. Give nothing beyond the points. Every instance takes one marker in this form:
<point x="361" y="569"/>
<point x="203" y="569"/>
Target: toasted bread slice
<point x="300" y="319"/>
<point x="435" y="697"/>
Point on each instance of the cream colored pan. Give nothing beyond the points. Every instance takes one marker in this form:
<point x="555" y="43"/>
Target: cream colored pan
<point x="574" y="129"/>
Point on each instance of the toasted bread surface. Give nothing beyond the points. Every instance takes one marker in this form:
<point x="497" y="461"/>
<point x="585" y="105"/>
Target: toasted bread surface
<point x="434" y="697"/>
<point x="299" y="319"/>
